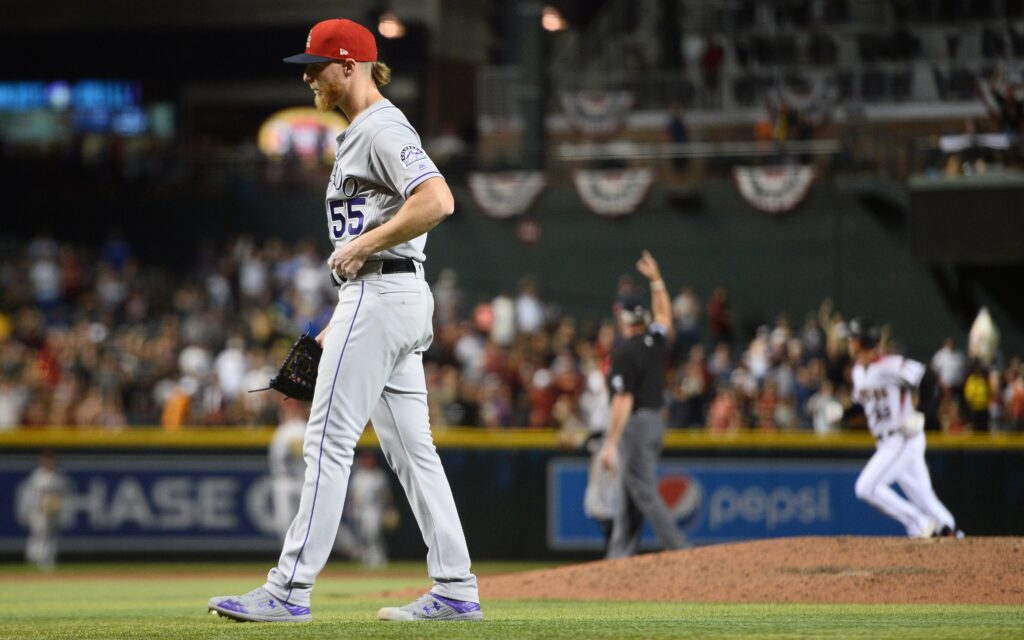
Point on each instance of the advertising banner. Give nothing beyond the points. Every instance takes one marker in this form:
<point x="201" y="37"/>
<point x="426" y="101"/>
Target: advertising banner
<point x="727" y="500"/>
<point x="200" y="503"/>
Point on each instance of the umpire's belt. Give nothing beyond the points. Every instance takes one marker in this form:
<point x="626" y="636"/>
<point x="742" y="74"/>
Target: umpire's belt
<point x="383" y="267"/>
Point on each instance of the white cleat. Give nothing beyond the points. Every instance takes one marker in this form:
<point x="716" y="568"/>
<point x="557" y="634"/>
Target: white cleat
<point x="928" y="530"/>
<point x="259" y="605"/>
<point x="432" y="607"/>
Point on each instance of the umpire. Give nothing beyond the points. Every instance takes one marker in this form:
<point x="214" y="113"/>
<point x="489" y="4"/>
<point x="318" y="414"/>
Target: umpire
<point x="637" y="427"/>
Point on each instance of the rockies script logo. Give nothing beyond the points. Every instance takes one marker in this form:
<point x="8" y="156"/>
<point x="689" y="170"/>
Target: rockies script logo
<point x="349" y="186"/>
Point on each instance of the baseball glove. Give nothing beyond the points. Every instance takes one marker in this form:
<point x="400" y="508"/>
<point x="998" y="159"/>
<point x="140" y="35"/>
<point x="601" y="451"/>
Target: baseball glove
<point x="297" y="377"/>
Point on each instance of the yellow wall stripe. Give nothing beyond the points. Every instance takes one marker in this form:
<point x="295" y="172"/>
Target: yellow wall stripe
<point x="470" y="438"/>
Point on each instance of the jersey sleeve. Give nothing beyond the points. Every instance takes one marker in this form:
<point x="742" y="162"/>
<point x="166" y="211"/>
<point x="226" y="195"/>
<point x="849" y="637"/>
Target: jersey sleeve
<point x="910" y="372"/>
<point x="623" y="376"/>
<point x="398" y="160"/>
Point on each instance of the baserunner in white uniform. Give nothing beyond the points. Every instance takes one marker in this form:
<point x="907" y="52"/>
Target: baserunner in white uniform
<point x="884" y="386"/>
<point x="384" y="195"/>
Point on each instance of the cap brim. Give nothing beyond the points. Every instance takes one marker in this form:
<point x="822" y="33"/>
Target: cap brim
<point x="305" y="58"/>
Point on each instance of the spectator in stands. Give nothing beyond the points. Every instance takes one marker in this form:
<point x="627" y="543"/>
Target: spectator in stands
<point x="720" y="316"/>
<point x="693" y="392"/>
<point x="812" y="339"/>
<point x="529" y="309"/>
<point x="542" y="397"/>
<point x="253" y="274"/>
<point x="686" y="316"/>
<point x="950" y="365"/>
<point x="825" y="409"/>
<point x="711" y="60"/>
<point x="720" y="364"/>
<point x="116" y="251"/>
<point x="1015" y="403"/>
<point x="496" y="406"/>
<point x="758" y="355"/>
<point x="594" y="400"/>
<point x="978" y="396"/>
<point x="483" y="317"/>
<point x="996" y="409"/>
<point x="808" y="381"/>
<point x="14" y="397"/>
<point x="45" y="277"/>
<point x="785" y="119"/>
<point x="448" y="297"/>
<point x="724" y="415"/>
<point x="1003" y="101"/>
<point x="159" y="351"/>
<point x="470" y="351"/>
<point x="766" y="405"/>
<point x="503" y="331"/>
<point x="678" y="134"/>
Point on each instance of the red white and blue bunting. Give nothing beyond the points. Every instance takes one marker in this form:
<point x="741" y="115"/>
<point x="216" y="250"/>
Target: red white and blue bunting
<point x="598" y="114"/>
<point x="506" y="194"/>
<point x="615" y="192"/>
<point x="776" y="189"/>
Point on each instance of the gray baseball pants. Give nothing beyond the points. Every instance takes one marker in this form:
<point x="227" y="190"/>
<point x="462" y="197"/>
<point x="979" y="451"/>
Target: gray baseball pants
<point x="639" y="450"/>
<point x="372" y="369"/>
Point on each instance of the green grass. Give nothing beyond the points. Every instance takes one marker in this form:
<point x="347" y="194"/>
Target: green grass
<point x="169" y="601"/>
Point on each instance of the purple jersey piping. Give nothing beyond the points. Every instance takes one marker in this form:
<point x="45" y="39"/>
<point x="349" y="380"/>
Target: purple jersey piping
<point x="330" y="400"/>
<point x="415" y="182"/>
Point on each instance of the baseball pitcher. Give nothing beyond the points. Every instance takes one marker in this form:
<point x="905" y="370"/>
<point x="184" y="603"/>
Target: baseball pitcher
<point x="383" y="196"/>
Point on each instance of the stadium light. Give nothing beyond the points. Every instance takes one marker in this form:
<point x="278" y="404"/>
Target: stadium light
<point x="552" y="20"/>
<point x="390" y="26"/>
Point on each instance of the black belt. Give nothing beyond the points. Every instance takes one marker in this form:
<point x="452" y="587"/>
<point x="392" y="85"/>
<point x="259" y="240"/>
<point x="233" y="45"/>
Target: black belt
<point x="887" y="434"/>
<point x="384" y="267"/>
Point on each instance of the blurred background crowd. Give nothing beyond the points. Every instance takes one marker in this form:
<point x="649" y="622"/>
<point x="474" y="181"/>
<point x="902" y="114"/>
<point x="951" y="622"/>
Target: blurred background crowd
<point x="96" y="338"/>
<point x="905" y="115"/>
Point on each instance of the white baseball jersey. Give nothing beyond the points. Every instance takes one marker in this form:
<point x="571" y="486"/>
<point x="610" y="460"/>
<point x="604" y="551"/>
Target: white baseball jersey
<point x="883" y="388"/>
<point x="380" y="161"/>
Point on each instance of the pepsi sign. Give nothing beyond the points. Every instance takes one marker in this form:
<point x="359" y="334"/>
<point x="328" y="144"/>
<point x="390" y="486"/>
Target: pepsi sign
<point x="726" y="500"/>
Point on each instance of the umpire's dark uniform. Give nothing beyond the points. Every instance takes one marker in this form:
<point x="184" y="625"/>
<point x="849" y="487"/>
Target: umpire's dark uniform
<point x="638" y="368"/>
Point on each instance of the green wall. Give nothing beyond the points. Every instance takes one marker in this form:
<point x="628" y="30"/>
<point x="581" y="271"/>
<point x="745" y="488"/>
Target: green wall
<point x="831" y="246"/>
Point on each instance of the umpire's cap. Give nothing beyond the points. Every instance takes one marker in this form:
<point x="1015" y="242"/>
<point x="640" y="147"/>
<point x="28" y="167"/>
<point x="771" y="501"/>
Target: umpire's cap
<point x="865" y="331"/>
<point x="632" y="308"/>
<point x="337" y="39"/>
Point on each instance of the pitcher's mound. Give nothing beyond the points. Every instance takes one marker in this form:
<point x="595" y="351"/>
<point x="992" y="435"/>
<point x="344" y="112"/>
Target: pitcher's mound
<point x="821" y="570"/>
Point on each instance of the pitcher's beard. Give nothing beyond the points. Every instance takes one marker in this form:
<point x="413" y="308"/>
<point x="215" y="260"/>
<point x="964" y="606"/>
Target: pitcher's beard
<point x="327" y="98"/>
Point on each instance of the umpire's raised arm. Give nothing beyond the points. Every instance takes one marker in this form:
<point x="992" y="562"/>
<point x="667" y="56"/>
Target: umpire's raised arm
<point x="661" y="307"/>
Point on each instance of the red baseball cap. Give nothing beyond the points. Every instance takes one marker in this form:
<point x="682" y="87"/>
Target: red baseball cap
<point x="337" y="39"/>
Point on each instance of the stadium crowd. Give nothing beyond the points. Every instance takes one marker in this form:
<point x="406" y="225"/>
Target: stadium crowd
<point x="92" y="337"/>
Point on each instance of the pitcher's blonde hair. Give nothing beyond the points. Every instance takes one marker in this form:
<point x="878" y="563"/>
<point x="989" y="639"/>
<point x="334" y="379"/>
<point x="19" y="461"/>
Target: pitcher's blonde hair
<point x="380" y="72"/>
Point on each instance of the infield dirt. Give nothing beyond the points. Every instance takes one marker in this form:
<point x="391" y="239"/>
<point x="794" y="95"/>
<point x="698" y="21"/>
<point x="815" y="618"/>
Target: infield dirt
<point x="809" y="570"/>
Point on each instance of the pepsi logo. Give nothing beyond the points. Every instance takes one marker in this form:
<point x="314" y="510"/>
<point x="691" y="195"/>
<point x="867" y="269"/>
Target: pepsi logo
<point x="683" y="496"/>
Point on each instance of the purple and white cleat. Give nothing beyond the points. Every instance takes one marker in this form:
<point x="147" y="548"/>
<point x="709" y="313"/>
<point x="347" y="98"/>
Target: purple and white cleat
<point x="259" y="605"/>
<point x="430" y="607"/>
